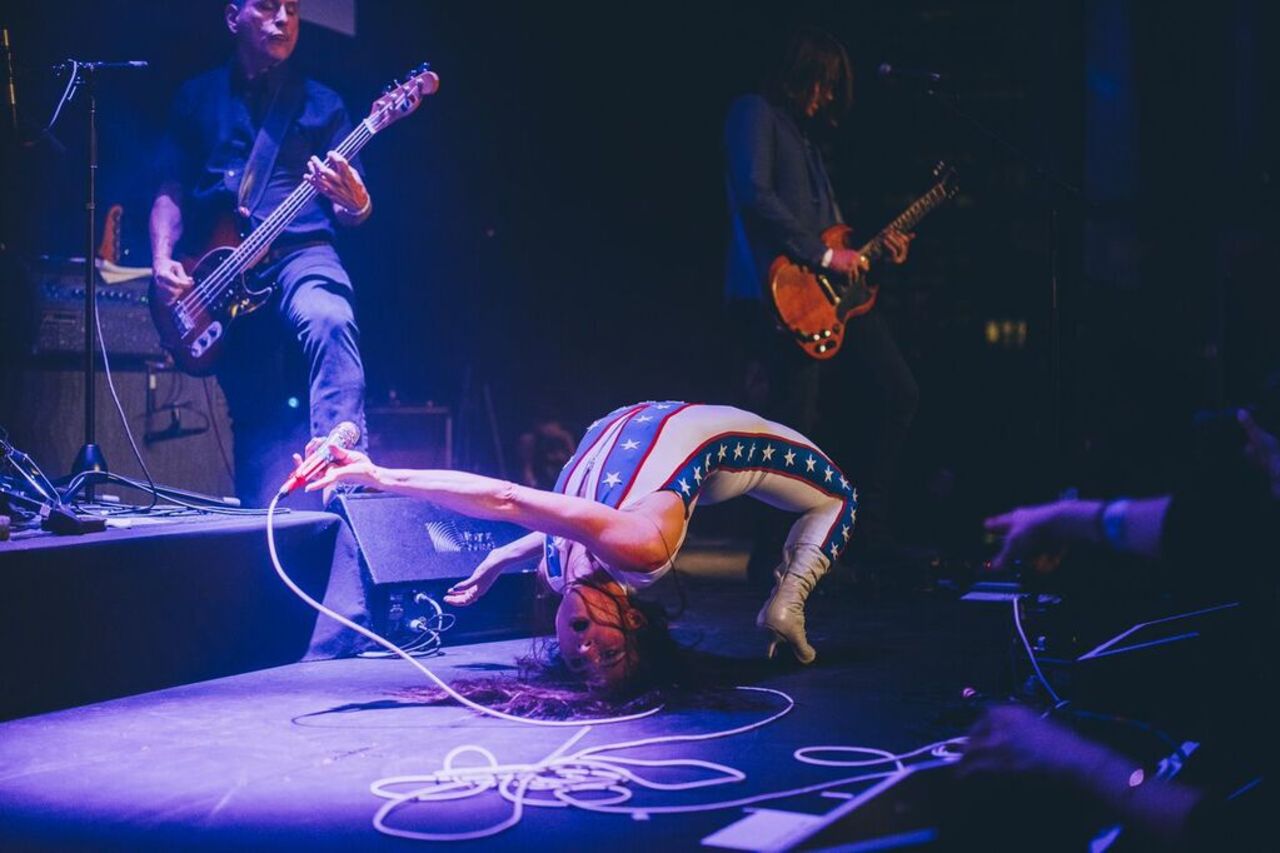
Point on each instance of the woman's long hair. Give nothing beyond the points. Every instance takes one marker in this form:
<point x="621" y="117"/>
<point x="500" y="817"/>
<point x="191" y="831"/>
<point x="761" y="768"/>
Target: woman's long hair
<point x="811" y="57"/>
<point x="543" y="687"/>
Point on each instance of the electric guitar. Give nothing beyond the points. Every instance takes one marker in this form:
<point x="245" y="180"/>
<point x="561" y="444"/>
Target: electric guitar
<point x="813" y="306"/>
<point x="193" y="326"/>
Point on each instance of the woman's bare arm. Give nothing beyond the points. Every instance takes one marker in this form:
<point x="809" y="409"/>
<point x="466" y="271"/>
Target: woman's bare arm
<point x="634" y="539"/>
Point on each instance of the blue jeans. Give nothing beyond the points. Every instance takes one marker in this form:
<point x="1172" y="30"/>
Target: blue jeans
<point x="307" y="326"/>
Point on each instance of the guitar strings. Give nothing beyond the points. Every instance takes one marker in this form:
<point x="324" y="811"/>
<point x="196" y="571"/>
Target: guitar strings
<point x="916" y="211"/>
<point x="208" y="290"/>
<point x="204" y="294"/>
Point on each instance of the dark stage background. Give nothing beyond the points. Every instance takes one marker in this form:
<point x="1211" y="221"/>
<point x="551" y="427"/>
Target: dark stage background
<point x="552" y="223"/>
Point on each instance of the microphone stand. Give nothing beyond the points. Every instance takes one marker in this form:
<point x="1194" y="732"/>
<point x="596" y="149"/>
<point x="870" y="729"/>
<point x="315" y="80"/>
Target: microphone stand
<point x="1059" y="188"/>
<point x="90" y="457"/>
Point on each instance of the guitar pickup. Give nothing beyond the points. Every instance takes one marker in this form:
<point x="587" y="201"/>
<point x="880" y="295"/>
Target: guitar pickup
<point x="210" y="337"/>
<point x="814" y="337"/>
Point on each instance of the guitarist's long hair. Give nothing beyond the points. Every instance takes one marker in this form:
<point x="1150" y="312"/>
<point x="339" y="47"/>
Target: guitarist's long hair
<point x="811" y="57"/>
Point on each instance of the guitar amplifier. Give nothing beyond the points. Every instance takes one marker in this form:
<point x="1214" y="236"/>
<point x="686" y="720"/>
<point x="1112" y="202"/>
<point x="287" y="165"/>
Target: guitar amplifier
<point x="57" y="287"/>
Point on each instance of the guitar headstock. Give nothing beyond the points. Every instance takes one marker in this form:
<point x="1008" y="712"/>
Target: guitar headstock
<point x="946" y="178"/>
<point x="402" y="98"/>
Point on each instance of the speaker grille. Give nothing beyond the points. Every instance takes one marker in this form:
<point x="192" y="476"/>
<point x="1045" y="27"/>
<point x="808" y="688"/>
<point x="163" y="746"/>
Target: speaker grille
<point x="402" y="539"/>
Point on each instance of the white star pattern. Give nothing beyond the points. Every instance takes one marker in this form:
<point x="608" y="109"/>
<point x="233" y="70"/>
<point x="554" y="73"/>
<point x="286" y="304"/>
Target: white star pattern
<point x="826" y="475"/>
<point x="835" y="550"/>
<point x="662" y="407"/>
<point x="737" y="451"/>
<point x="643" y="419"/>
<point x="630" y="444"/>
<point x="723" y="451"/>
<point x="697" y="473"/>
<point x="684" y="485"/>
<point x="844" y="531"/>
<point x="809" y="463"/>
<point x="751" y="452"/>
<point x="767" y="453"/>
<point x="612" y="479"/>
<point x="844" y="484"/>
<point x="708" y="463"/>
<point x="790" y="457"/>
<point x="855" y="494"/>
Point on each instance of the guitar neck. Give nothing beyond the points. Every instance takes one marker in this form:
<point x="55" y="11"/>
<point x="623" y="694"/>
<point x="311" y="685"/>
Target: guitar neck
<point x="273" y="226"/>
<point x="907" y="220"/>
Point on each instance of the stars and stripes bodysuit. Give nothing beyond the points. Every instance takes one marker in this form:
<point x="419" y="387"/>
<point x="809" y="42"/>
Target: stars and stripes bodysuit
<point x="705" y="454"/>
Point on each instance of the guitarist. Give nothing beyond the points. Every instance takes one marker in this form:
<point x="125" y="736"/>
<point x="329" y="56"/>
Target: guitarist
<point x="239" y="139"/>
<point x="780" y="202"/>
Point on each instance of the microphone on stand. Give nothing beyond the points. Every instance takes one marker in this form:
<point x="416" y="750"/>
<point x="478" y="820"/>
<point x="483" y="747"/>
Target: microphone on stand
<point x="892" y="72"/>
<point x="345" y="435"/>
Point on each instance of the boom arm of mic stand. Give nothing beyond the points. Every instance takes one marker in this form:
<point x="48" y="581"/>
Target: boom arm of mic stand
<point x="948" y="102"/>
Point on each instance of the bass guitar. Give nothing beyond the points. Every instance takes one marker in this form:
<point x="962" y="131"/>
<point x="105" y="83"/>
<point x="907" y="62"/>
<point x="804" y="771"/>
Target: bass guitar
<point x="193" y="326"/>
<point x="813" y="306"/>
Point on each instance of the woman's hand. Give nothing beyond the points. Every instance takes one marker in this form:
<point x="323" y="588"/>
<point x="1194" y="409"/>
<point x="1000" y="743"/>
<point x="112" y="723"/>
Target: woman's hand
<point x="349" y="466"/>
<point x="468" y="591"/>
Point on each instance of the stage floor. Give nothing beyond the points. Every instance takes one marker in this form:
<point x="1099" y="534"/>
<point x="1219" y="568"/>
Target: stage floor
<point x="284" y="757"/>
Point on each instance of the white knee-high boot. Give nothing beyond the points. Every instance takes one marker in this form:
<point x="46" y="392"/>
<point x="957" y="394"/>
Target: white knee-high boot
<point x="783" y="614"/>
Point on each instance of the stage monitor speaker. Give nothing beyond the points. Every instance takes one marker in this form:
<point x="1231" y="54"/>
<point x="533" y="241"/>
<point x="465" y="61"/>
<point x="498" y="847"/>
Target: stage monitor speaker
<point x="412" y="551"/>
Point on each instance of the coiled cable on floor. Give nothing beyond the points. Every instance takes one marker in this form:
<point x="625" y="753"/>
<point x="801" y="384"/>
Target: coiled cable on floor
<point x="596" y="778"/>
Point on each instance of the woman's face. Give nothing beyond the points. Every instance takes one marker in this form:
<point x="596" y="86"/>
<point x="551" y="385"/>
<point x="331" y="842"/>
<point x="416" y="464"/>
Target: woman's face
<point x="593" y="627"/>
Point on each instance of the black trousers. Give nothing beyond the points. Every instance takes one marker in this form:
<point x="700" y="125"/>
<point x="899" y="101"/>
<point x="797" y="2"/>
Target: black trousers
<point x="858" y="406"/>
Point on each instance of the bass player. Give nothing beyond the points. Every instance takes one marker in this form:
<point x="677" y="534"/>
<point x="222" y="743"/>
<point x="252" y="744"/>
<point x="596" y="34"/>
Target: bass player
<point x="239" y="139"/>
